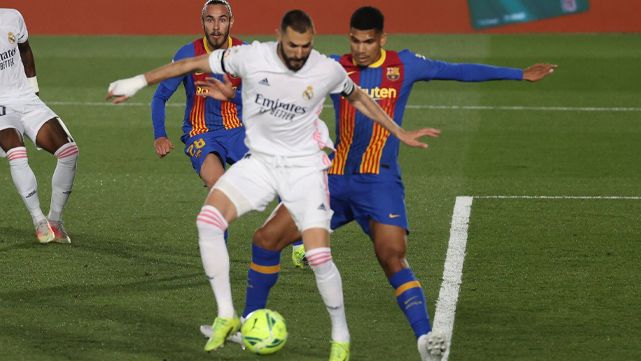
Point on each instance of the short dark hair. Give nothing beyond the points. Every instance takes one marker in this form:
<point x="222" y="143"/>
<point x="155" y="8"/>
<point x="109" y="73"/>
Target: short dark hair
<point x="224" y="3"/>
<point x="298" y="20"/>
<point x="367" y="18"/>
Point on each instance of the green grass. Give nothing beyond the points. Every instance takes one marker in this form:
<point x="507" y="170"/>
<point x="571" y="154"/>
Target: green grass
<point x="542" y="280"/>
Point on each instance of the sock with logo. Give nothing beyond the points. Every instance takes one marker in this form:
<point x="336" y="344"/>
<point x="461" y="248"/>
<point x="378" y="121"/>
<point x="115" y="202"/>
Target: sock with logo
<point x="411" y="300"/>
<point x="330" y="286"/>
<point x="213" y="252"/>
<point x="62" y="180"/>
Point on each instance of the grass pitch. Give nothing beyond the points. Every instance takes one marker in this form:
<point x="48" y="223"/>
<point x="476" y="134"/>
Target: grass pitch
<point x="543" y="279"/>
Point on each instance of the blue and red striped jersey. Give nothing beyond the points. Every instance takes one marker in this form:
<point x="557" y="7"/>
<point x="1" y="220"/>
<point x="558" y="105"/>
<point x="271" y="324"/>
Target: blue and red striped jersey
<point x="364" y="147"/>
<point x="202" y="114"/>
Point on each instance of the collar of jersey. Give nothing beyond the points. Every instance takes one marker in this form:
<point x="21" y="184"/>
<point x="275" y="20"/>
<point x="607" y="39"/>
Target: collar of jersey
<point x="206" y="43"/>
<point x="379" y="62"/>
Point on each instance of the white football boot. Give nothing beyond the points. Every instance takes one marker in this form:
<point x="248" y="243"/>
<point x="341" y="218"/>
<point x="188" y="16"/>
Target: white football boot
<point x="432" y="346"/>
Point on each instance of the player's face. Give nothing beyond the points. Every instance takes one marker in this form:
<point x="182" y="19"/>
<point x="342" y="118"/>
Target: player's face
<point x="294" y="48"/>
<point x="366" y="45"/>
<point x="217" y="24"/>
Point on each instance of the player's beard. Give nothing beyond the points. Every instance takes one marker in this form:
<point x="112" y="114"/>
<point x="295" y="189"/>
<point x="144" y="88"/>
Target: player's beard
<point x="292" y="64"/>
<point x="219" y="41"/>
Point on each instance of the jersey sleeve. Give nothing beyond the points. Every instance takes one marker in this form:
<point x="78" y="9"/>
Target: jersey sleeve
<point x="164" y="91"/>
<point x="232" y="60"/>
<point x="341" y="82"/>
<point x="427" y="69"/>
<point x="23" y="35"/>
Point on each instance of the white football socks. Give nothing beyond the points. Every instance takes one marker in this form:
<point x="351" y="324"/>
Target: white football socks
<point x="330" y="286"/>
<point x="25" y="181"/>
<point x="62" y="180"/>
<point x="213" y="252"/>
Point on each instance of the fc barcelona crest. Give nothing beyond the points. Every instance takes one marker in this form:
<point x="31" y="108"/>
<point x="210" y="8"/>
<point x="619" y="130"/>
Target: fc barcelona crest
<point x="393" y="73"/>
<point x="11" y="37"/>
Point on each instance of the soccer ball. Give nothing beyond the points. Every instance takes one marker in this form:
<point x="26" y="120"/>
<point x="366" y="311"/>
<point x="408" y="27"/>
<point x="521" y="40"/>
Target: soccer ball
<point x="264" y="332"/>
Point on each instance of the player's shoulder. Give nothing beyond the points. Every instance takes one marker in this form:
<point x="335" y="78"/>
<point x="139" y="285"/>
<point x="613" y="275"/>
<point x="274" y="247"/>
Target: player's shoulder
<point x="252" y="48"/>
<point x="249" y="56"/>
<point x="10" y="14"/>
<point x="318" y="59"/>
<point x="186" y="51"/>
<point x="407" y="55"/>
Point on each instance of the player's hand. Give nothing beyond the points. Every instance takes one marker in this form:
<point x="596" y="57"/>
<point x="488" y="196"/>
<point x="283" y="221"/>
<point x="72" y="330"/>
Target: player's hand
<point x="121" y="90"/>
<point x="163" y="146"/>
<point x="537" y="72"/>
<point x="411" y="137"/>
<point x="219" y="90"/>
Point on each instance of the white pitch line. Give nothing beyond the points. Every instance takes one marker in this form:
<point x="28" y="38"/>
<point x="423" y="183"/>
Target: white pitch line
<point x="525" y="107"/>
<point x="410" y="106"/>
<point x="562" y="197"/>
<point x="453" y="270"/>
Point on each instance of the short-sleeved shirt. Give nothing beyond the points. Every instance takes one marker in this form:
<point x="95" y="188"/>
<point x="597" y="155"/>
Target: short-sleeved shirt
<point x="281" y="106"/>
<point x="13" y="81"/>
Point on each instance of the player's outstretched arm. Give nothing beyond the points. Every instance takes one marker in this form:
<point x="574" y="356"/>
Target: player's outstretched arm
<point x="121" y="90"/>
<point x="537" y="72"/>
<point x="366" y="105"/>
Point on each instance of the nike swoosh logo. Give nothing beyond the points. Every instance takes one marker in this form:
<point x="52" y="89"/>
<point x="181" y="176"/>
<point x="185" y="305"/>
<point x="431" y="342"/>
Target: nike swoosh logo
<point x="199" y="73"/>
<point x="391" y="215"/>
<point x="350" y="72"/>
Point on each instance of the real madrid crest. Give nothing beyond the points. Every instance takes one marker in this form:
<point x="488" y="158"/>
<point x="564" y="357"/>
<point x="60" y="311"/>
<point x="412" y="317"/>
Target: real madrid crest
<point x="11" y="37"/>
<point x="393" y="73"/>
<point x="308" y="93"/>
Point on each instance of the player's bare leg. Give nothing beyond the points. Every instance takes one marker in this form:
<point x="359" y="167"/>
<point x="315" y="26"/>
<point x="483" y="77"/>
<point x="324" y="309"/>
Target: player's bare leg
<point x="55" y="139"/>
<point x="390" y="245"/>
<point x="25" y="181"/>
<point x="212" y="221"/>
<point x="211" y="170"/>
<point x="278" y="232"/>
<point x="330" y="286"/>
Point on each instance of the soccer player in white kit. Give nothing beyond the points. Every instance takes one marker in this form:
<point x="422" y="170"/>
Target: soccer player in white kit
<point x="23" y="113"/>
<point x="284" y="87"/>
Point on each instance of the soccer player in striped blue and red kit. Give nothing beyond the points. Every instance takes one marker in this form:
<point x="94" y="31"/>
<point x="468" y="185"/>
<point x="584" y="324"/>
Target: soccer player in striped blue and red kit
<point x="212" y="130"/>
<point x="365" y="178"/>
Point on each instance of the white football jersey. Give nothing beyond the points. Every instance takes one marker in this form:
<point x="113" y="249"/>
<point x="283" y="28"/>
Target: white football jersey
<point x="281" y="106"/>
<point x="13" y="81"/>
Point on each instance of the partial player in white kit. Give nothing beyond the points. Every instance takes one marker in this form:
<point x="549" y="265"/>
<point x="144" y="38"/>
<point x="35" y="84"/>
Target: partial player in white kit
<point x="23" y="113"/>
<point x="284" y="87"/>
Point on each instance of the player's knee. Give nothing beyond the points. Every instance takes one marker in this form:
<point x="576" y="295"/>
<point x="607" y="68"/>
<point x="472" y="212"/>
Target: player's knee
<point x="266" y="240"/>
<point x="391" y="259"/>
<point x="10" y="139"/>
<point x="209" y="180"/>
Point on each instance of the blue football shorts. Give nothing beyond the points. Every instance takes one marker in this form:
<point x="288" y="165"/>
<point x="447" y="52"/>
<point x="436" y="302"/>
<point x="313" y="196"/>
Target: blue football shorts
<point x="363" y="197"/>
<point x="228" y="145"/>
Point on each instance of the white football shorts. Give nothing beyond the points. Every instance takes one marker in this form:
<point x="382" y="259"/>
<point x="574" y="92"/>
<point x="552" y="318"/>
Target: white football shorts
<point x="27" y="116"/>
<point x="300" y="182"/>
